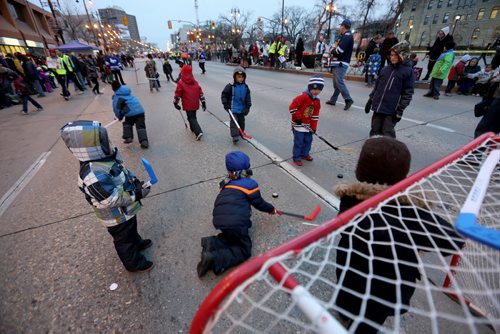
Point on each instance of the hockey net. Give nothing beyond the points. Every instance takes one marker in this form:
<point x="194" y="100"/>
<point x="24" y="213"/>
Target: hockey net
<point x="458" y="290"/>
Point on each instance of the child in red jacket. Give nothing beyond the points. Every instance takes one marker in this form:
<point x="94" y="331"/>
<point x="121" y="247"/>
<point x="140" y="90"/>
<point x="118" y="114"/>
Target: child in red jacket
<point x="305" y="115"/>
<point x="191" y="94"/>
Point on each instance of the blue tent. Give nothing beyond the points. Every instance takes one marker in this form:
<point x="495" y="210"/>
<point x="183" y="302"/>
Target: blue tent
<point x="76" y="46"/>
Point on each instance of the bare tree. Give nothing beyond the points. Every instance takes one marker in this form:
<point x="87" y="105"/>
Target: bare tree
<point x="396" y="8"/>
<point x="298" y="22"/>
<point x="366" y="6"/>
<point x="73" y="24"/>
<point x="238" y="25"/>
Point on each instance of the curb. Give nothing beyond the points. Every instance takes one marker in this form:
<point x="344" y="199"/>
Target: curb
<point x="325" y="74"/>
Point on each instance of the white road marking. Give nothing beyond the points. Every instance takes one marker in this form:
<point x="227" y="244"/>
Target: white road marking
<point x="414" y="121"/>
<point x="12" y="193"/>
<point x="310" y="224"/>
<point x="300" y="177"/>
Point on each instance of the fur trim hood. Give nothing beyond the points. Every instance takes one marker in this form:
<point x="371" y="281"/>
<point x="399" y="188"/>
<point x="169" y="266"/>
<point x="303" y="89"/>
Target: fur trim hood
<point x="363" y="190"/>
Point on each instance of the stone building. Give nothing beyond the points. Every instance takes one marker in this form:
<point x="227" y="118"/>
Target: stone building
<point x="25" y="28"/>
<point x="473" y="23"/>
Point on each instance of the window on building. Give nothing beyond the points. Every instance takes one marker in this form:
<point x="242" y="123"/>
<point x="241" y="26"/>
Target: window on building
<point x="423" y="37"/>
<point x="473" y="3"/>
<point x="494" y="13"/>
<point x="16" y="10"/>
<point x="429" y="6"/>
<point x="414" y="6"/>
<point x="440" y="4"/>
<point x="446" y="17"/>
<point x="461" y="4"/>
<point x="426" y="20"/>
<point x="410" y="21"/>
<point x="435" y="19"/>
<point x="450" y="3"/>
<point x="480" y="14"/>
<point x="475" y="33"/>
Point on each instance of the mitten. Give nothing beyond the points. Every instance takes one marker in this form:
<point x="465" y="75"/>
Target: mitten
<point x="140" y="192"/>
<point x="246" y="111"/>
<point x="368" y="106"/>
<point x="178" y="107"/>
<point x="396" y="118"/>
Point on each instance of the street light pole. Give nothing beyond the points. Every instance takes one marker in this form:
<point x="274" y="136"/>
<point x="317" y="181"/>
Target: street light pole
<point x="330" y="9"/>
<point x="91" y="26"/>
<point x="282" y="16"/>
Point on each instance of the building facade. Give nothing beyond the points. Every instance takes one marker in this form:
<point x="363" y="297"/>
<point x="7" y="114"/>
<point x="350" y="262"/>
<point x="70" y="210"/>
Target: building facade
<point x="115" y="16"/>
<point x="25" y="28"/>
<point x="473" y="23"/>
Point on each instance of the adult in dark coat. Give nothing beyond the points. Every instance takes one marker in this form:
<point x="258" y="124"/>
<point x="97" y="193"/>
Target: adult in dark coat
<point x="373" y="44"/>
<point x="378" y="257"/>
<point x="389" y="41"/>
<point x="437" y="48"/>
<point x="299" y="51"/>
<point x="31" y="76"/>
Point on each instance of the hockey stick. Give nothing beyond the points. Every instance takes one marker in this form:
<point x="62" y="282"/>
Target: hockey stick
<point x="151" y="172"/>
<point x="310" y="217"/>
<point x="183" y="119"/>
<point x="111" y="123"/>
<point x="243" y="134"/>
<point x="466" y="222"/>
<point x="336" y="148"/>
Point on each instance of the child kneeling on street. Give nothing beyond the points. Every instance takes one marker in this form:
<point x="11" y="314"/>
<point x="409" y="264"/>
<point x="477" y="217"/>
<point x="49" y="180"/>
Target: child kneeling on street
<point x="112" y="190"/>
<point x="236" y="99"/>
<point x="231" y="215"/>
<point x="305" y="115"/>
<point x="126" y="105"/>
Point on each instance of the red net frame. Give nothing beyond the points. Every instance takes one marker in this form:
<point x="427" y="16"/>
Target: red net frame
<point x="230" y="282"/>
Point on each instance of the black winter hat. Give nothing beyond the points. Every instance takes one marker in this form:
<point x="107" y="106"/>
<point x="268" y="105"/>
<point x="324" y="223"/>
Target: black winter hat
<point x="383" y="160"/>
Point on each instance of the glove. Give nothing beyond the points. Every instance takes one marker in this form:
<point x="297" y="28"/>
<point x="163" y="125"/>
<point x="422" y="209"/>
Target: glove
<point x="140" y="192"/>
<point x="227" y="109"/>
<point x="276" y="212"/>
<point x="246" y="111"/>
<point x="178" y="107"/>
<point x="204" y="106"/>
<point x="368" y="106"/>
<point x="396" y="118"/>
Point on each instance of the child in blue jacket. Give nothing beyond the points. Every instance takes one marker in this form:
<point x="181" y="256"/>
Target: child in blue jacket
<point x="236" y="99"/>
<point x="126" y="105"/>
<point x="231" y="215"/>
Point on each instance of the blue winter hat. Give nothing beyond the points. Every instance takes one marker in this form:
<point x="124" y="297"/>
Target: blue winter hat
<point x="316" y="82"/>
<point x="346" y="23"/>
<point x="237" y="161"/>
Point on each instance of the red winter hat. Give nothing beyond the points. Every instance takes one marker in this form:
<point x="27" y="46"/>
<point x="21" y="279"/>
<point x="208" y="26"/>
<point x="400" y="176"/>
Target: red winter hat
<point x="186" y="70"/>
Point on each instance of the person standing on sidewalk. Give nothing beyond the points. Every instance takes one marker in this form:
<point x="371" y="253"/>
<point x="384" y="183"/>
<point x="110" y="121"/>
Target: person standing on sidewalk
<point x="22" y="89"/>
<point x="392" y="93"/>
<point x="437" y="49"/>
<point x="31" y="76"/>
<point x="440" y="70"/>
<point x="55" y="65"/>
<point x="342" y="54"/>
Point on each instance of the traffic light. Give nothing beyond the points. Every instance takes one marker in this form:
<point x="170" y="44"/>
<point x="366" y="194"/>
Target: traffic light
<point x="212" y="25"/>
<point x="169" y="24"/>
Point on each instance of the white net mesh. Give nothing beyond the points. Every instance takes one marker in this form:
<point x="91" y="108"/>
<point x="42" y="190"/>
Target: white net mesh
<point x="385" y="269"/>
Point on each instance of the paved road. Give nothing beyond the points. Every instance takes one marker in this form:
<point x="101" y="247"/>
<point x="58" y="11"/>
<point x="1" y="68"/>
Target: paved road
<point x="57" y="262"/>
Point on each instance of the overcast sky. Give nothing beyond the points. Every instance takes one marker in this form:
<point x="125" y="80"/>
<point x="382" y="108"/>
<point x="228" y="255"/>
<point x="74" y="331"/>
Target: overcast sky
<point x="152" y="15"/>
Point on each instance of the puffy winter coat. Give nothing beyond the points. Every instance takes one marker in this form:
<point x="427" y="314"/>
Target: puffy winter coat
<point x="443" y="65"/>
<point x="305" y="111"/>
<point x="438" y="46"/>
<point x="393" y="89"/>
<point x="236" y="97"/>
<point x="188" y="90"/>
<point x="232" y="205"/>
<point x="386" y="245"/>
<point x="114" y="63"/>
<point x="110" y="189"/>
<point x="150" y="69"/>
<point x="167" y="68"/>
<point x="457" y="71"/>
<point x="343" y="50"/>
<point x="373" y="64"/>
<point x="125" y="104"/>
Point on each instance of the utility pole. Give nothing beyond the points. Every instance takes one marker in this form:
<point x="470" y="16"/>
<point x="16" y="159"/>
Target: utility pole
<point x="282" y="16"/>
<point x="196" y="10"/>
<point x="59" y="30"/>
